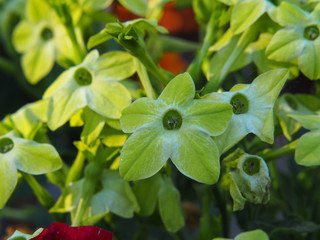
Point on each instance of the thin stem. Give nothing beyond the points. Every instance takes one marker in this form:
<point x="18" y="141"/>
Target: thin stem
<point x="205" y="220"/>
<point x="41" y="193"/>
<point x="76" y="169"/>
<point x="222" y="206"/>
<point x="272" y="154"/>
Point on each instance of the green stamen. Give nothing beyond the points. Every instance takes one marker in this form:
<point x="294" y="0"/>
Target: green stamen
<point x="172" y="120"/>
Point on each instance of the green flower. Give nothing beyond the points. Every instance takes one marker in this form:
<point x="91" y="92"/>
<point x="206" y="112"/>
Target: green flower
<point x="299" y="39"/>
<point x="252" y="108"/>
<point x="94" y="84"/>
<point x="24" y="155"/>
<point x="174" y="126"/>
<point x="249" y="179"/>
<point x="41" y="38"/>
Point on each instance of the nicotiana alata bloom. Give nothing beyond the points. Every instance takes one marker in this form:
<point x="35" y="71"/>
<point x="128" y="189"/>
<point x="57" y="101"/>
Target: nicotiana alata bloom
<point x="25" y="155"/>
<point x="94" y="84"/>
<point x="174" y="126"/>
<point x="299" y="39"/>
<point x="41" y="38"/>
<point x="252" y="108"/>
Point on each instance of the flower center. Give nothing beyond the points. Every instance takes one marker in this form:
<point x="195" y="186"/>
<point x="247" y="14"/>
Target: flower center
<point x="239" y="103"/>
<point x="46" y="34"/>
<point x="172" y="120"/>
<point x="251" y="166"/>
<point x="82" y="76"/>
<point x="6" y="144"/>
<point x="311" y="32"/>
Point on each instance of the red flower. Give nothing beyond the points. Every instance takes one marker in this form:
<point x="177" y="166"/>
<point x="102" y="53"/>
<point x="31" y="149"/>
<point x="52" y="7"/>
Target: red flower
<point x="61" y="231"/>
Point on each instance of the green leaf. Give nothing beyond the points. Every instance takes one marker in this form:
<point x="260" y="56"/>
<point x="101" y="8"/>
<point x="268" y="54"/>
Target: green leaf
<point x="98" y="38"/>
<point x="144" y="153"/>
<point x="196" y="156"/>
<point x="94" y="124"/>
<point x="179" y="91"/>
<point x="146" y="192"/>
<point x="116" y="65"/>
<point x="309" y="60"/>
<point x="38" y="61"/>
<point x="308" y="149"/>
<point x="245" y="13"/>
<point x="294" y="225"/>
<point x="21" y="236"/>
<point x="285" y="45"/>
<point x="170" y="206"/>
<point x="138" y="7"/>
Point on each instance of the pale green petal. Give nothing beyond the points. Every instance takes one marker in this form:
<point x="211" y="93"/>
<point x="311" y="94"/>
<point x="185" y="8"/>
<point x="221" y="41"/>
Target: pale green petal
<point x="252" y="235"/>
<point x="236" y="130"/>
<point x="60" y="82"/>
<point x="37" y="10"/>
<point x="116" y="65"/>
<point x="91" y="59"/>
<point x="35" y="158"/>
<point x="179" y="90"/>
<point x="23" y="36"/>
<point x="267" y="85"/>
<point x="209" y="116"/>
<point x="308" y="149"/>
<point x="64" y="104"/>
<point x="196" y="156"/>
<point x="21" y="236"/>
<point x="8" y="178"/>
<point x="291" y="15"/>
<point x="141" y="112"/>
<point x="145" y="152"/>
<point x="108" y="99"/>
<point x="309" y="60"/>
<point x="38" y="61"/>
<point x="311" y="122"/>
<point x="245" y="13"/>
<point x="286" y="45"/>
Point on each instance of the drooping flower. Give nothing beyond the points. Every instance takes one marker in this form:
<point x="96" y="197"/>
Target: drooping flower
<point x="42" y="39"/>
<point x="300" y="38"/>
<point x="174" y="126"/>
<point x="252" y="108"/>
<point x="61" y="231"/>
<point x="94" y="84"/>
<point x="24" y="155"/>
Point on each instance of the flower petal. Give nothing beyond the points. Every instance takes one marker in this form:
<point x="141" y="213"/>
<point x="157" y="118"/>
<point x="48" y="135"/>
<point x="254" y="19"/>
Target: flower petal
<point x="8" y="178"/>
<point x="35" y="158"/>
<point x="196" y="156"/>
<point x="291" y="15"/>
<point x="285" y="45"/>
<point x="38" y="61"/>
<point x="108" y="99"/>
<point x="23" y="36"/>
<point x="209" y="116"/>
<point x="179" y="90"/>
<point x="141" y="112"/>
<point x="309" y="60"/>
<point x="144" y="153"/>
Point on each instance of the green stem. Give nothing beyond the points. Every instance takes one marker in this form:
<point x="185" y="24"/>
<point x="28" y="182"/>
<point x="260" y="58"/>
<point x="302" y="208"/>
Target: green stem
<point x="145" y="80"/>
<point x="205" y="220"/>
<point x="41" y="193"/>
<point x="195" y="67"/>
<point x="222" y="206"/>
<point x="272" y="154"/>
<point x="243" y="41"/>
<point x="75" y="171"/>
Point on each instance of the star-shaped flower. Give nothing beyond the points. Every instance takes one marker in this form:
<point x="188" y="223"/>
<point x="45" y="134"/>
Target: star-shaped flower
<point x="299" y="39"/>
<point x="90" y="84"/>
<point x="252" y="108"/>
<point x="41" y="38"/>
<point x="174" y="126"/>
<point x="24" y="155"/>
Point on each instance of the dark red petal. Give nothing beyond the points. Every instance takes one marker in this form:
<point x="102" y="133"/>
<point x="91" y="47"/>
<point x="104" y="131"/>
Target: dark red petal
<point x="61" y="231"/>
